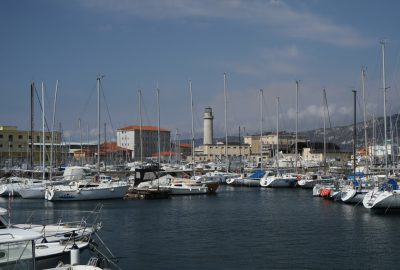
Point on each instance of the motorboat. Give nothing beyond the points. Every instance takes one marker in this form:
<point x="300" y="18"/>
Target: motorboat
<point x="278" y="181"/>
<point x="252" y="180"/>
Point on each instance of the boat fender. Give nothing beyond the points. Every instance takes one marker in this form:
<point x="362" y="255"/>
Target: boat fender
<point x="298" y="178"/>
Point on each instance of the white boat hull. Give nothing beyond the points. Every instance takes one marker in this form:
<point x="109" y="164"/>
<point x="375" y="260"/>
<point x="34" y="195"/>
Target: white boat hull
<point x="350" y="195"/>
<point x="278" y="182"/>
<point x="382" y="199"/>
<point x="71" y="193"/>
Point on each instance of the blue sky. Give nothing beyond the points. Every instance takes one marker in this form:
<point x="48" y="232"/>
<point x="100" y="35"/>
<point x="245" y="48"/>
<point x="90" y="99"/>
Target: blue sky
<point x="141" y="44"/>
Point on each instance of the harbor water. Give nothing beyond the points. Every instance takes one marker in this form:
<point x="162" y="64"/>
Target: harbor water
<point x="238" y="228"/>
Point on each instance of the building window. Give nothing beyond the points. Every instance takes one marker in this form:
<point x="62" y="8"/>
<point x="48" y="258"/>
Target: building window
<point x="1" y="145"/>
<point x="10" y="138"/>
<point x="20" y="137"/>
<point x="47" y="138"/>
<point x="19" y="146"/>
<point x="1" y="136"/>
<point x="11" y="145"/>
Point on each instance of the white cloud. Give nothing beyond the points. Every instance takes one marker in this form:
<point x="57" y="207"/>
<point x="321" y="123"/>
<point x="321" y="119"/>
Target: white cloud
<point x="278" y="15"/>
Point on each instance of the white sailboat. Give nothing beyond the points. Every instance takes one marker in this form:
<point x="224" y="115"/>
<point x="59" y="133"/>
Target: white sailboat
<point x="386" y="196"/>
<point x="279" y="180"/>
<point x="101" y="187"/>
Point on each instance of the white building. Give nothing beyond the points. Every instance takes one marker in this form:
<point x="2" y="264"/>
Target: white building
<point x="129" y="137"/>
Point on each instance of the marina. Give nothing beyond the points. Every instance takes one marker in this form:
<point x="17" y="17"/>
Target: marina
<point x="240" y="227"/>
<point x="169" y="134"/>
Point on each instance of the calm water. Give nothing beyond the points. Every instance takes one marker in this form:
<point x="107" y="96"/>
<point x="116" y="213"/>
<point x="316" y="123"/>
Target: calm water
<point x="240" y="228"/>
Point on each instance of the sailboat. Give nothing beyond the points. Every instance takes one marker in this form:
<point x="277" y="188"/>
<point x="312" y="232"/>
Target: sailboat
<point x="388" y="195"/>
<point x="101" y="186"/>
<point x="279" y="180"/>
<point x="193" y="185"/>
<point x="353" y="192"/>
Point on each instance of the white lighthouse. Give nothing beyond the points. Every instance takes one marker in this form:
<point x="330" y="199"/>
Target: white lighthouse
<point x="208" y="126"/>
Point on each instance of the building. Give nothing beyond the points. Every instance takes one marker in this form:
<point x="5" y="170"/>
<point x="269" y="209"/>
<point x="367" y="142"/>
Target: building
<point x="208" y="126"/>
<point x="15" y="145"/>
<point x="129" y="138"/>
<point x="269" y="141"/>
<point x="315" y="152"/>
<point x="216" y="152"/>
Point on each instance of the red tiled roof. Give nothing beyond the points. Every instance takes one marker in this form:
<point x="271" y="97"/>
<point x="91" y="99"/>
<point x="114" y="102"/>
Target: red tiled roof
<point x="110" y="147"/>
<point x="166" y="153"/>
<point x="185" y="145"/>
<point x="145" y="128"/>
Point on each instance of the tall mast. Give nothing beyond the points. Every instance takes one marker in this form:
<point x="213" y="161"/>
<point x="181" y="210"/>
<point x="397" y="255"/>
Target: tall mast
<point x="324" y="157"/>
<point x="87" y="142"/>
<point x="158" y="130"/>
<point x="365" y="116"/>
<point x="384" y="105"/>
<point x="277" y="135"/>
<point x="191" y="106"/>
<point x="226" y="128"/>
<point x="297" y="120"/>
<point x="52" y="132"/>
<point x="98" y="125"/>
<point x="105" y="146"/>
<point x="373" y="138"/>
<point x="140" y="126"/>
<point x="43" y="141"/>
<point x="80" y="133"/>
<point x="261" y="127"/>
<point x="32" y="122"/>
<point x="354" y="133"/>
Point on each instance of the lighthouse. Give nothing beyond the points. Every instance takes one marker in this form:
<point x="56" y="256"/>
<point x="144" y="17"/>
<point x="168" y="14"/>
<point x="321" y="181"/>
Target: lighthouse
<point x="208" y="126"/>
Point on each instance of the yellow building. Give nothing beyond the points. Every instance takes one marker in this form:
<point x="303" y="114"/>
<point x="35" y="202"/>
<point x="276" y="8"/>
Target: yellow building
<point x="269" y="141"/>
<point x="15" y="145"/>
<point x="212" y="152"/>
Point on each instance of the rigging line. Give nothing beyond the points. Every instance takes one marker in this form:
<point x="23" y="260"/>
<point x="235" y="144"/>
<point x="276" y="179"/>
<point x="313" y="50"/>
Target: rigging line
<point x="41" y="108"/>
<point x="144" y="110"/>
<point x="327" y="111"/>
<point x="91" y="93"/>
<point x="108" y="111"/>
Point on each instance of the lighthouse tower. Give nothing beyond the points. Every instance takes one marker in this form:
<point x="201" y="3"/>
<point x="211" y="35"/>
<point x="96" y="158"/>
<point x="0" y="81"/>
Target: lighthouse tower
<point x="208" y="126"/>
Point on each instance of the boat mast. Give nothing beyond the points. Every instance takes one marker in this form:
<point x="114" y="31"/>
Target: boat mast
<point x="80" y="133"/>
<point x="261" y="128"/>
<point x="191" y="106"/>
<point x="277" y="135"/>
<point x="32" y="122"/>
<point x="384" y="106"/>
<point x="43" y="141"/>
<point x="98" y="125"/>
<point x="354" y="133"/>
<point x="105" y="146"/>
<point x="365" y="117"/>
<point x="373" y="139"/>
<point x="140" y="126"/>
<point x="226" y="128"/>
<point x="158" y="136"/>
<point x="324" y="157"/>
<point x="158" y="130"/>
<point x="52" y="132"/>
<point x="297" y="120"/>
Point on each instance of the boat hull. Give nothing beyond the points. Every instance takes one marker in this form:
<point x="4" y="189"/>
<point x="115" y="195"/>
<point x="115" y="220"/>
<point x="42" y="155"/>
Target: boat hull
<point x="278" y="182"/>
<point x="82" y="194"/>
<point x="382" y="199"/>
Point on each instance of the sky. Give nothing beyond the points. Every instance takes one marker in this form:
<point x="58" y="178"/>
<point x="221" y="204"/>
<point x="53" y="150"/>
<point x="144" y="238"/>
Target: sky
<point x="145" y="45"/>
